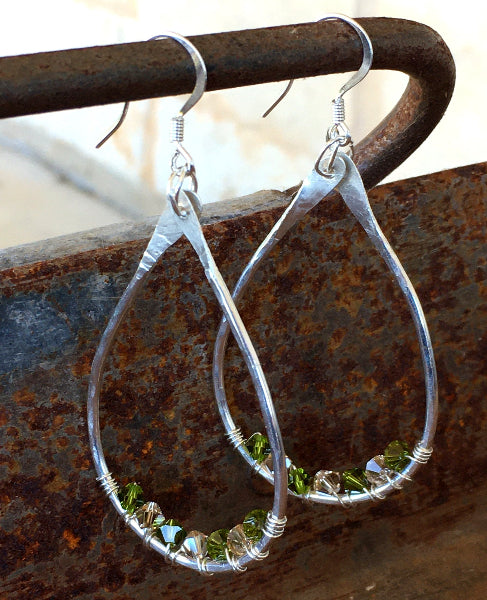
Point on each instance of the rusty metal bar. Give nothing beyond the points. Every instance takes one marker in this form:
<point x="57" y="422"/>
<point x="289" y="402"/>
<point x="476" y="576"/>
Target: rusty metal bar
<point x="50" y="81"/>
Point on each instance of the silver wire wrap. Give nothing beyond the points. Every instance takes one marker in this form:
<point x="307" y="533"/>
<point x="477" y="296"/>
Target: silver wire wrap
<point x="233" y="562"/>
<point x="128" y="517"/>
<point x="397" y="485"/>
<point x="169" y="555"/>
<point x="374" y="494"/>
<point x="421" y="455"/>
<point x="338" y="110"/>
<point x="108" y="484"/>
<point x="202" y="565"/>
<point x="255" y="554"/>
<point x="402" y="475"/>
<point x="338" y="137"/>
<point x="148" y="535"/>
<point x="235" y="437"/>
<point x="177" y="129"/>
<point x="274" y="527"/>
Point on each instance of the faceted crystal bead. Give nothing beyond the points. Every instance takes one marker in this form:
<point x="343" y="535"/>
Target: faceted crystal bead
<point x="375" y="471"/>
<point x="268" y="463"/>
<point x="396" y="455"/>
<point x="130" y="497"/>
<point x="237" y="541"/>
<point x="354" y="480"/>
<point x="298" y="480"/>
<point x="258" y="447"/>
<point x="170" y="532"/>
<point x="216" y="544"/>
<point x="194" y="545"/>
<point x="328" y="482"/>
<point x="253" y="524"/>
<point x="147" y="514"/>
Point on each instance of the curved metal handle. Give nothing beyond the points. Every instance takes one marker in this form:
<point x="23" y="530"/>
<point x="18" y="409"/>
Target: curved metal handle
<point x="67" y="79"/>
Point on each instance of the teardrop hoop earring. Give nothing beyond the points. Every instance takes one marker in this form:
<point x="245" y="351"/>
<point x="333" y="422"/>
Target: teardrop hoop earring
<point x="223" y="550"/>
<point x="334" y="169"/>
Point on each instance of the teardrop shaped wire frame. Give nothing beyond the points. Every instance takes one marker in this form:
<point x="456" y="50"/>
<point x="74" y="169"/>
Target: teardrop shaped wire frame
<point x="354" y="194"/>
<point x="367" y="58"/>
<point x="170" y="227"/>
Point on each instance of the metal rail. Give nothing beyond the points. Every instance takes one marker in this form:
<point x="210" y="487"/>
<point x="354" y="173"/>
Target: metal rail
<point x="50" y="81"/>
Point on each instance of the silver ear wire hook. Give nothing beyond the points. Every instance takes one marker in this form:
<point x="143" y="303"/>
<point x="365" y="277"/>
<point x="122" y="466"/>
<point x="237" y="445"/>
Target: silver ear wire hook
<point x="338" y="134"/>
<point x="368" y="54"/>
<point x="197" y="92"/>
<point x="182" y="166"/>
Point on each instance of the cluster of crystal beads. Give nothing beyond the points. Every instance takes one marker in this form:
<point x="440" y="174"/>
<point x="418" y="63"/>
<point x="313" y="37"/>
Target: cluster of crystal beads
<point x="378" y="470"/>
<point x="221" y="545"/>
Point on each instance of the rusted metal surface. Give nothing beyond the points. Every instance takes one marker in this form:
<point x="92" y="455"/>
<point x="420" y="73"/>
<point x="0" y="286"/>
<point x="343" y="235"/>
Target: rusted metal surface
<point x="52" y="81"/>
<point x="342" y="361"/>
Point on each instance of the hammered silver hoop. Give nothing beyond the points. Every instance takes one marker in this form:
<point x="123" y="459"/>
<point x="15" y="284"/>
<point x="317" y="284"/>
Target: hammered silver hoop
<point x="335" y="170"/>
<point x="145" y="518"/>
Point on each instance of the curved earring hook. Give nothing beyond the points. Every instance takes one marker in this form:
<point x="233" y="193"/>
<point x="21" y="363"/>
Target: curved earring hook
<point x="368" y="55"/>
<point x="198" y="89"/>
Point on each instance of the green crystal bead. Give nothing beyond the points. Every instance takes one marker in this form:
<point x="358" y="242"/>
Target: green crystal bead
<point x="258" y="447"/>
<point x="396" y="455"/>
<point x="170" y="532"/>
<point x="130" y="497"/>
<point x="299" y="481"/>
<point x="253" y="524"/>
<point x="216" y="544"/>
<point x="354" y="480"/>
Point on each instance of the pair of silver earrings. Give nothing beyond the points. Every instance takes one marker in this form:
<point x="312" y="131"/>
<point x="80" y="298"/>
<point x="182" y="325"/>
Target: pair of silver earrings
<point x="225" y="550"/>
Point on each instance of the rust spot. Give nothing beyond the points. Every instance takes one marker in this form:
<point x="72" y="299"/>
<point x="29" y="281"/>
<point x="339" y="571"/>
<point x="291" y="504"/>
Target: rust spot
<point x="24" y="397"/>
<point x="147" y="447"/>
<point x="71" y="539"/>
<point x="336" y="339"/>
<point x="83" y="366"/>
<point x="4" y="416"/>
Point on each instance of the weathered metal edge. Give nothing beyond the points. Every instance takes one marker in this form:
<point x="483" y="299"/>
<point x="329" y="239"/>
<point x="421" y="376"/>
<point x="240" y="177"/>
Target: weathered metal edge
<point x="103" y="237"/>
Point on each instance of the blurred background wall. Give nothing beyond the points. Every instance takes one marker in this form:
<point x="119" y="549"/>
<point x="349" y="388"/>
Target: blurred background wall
<point x="53" y="181"/>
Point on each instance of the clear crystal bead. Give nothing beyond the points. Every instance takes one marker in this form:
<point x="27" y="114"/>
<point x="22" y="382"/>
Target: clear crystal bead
<point x="147" y="514"/>
<point x="194" y="545"/>
<point x="237" y="541"/>
<point x="376" y="470"/>
<point x="268" y="463"/>
<point x="327" y="481"/>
